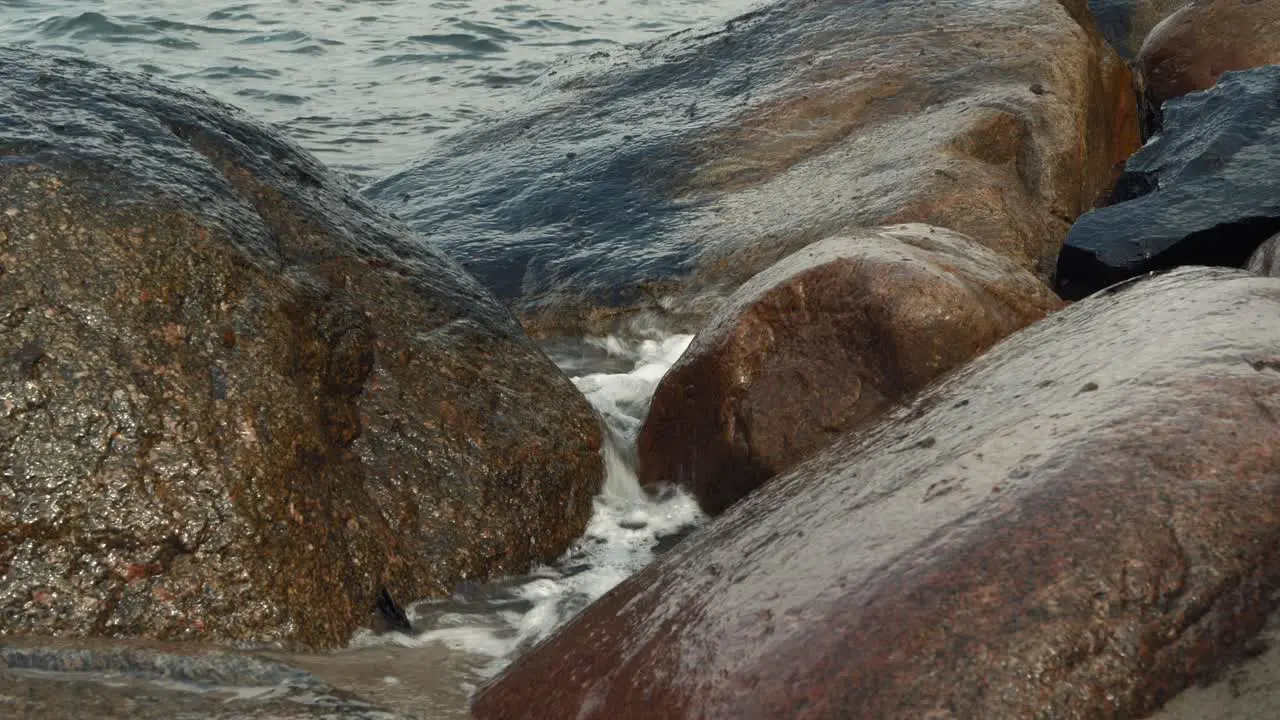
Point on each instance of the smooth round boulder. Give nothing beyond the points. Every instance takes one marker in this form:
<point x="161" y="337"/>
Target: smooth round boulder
<point x="822" y="342"/>
<point x="1081" y="523"/>
<point x="237" y="401"/>
<point x="1189" y="50"/>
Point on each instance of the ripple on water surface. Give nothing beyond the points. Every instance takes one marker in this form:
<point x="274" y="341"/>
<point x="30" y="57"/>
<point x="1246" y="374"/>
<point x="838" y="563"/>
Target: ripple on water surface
<point x="363" y="67"/>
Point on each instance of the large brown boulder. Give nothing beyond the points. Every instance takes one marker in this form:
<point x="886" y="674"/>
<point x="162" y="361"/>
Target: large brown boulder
<point x="1078" y="524"/>
<point x="663" y="177"/>
<point x="236" y="400"/>
<point x="1194" y="46"/>
<point x="822" y="342"/>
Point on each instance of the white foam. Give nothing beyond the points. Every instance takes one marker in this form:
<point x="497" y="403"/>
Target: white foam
<point x="499" y="620"/>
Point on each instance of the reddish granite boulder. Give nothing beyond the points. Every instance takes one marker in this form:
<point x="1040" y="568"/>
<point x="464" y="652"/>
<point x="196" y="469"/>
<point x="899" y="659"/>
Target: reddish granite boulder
<point x="236" y="399"/>
<point x="1190" y="49"/>
<point x="1078" y="524"/>
<point x="822" y="342"/>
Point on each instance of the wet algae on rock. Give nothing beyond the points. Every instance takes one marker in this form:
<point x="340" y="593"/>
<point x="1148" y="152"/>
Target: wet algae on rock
<point x="236" y="400"/>
<point x="1202" y="192"/>
<point x="821" y="343"/>
<point x="1079" y="524"/>
<point x="677" y="170"/>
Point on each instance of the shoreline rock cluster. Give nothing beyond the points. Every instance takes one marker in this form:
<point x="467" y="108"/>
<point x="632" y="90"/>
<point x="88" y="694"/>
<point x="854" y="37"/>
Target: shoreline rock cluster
<point x="1079" y="523"/>
<point x="664" y="179"/>
<point x="241" y="403"/>
<point x="1075" y="522"/>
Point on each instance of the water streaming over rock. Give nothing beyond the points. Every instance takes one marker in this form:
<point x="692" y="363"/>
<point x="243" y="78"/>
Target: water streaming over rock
<point x="493" y="622"/>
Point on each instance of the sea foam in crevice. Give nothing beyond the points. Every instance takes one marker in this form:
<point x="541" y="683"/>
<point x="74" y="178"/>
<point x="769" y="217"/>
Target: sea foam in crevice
<point x="495" y="621"/>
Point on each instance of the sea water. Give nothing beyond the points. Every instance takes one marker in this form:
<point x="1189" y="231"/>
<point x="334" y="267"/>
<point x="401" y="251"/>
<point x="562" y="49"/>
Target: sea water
<point x="364" y="84"/>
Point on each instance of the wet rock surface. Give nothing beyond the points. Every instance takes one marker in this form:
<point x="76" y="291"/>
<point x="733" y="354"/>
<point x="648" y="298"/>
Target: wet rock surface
<point x="1126" y="23"/>
<point x="822" y="342"/>
<point x="1201" y="193"/>
<point x="430" y="682"/>
<point x="49" y="678"/>
<point x="1194" y="46"/>
<point x="1080" y="523"/>
<point x="237" y="402"/>
<point x="664" y="176"/>
<point x="1248" y="689"/>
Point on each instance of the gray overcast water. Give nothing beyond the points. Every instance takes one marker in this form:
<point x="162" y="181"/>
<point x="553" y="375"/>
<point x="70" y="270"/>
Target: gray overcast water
<point x="364" y="84"/>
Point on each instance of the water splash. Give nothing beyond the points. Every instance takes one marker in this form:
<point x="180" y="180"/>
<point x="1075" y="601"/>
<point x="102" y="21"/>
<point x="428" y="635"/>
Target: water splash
<point x="496" y="621"/>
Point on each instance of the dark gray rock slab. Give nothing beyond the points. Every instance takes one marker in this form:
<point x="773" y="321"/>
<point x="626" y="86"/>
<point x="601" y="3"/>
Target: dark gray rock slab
<point x="1205" y="191"/>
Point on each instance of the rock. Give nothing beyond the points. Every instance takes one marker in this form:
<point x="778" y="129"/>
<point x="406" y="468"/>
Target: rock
<point x="1204" y="192"/>
<point x="662" y="177"/>
<point x="1264" y="260"/>
<point x="822" y="342"/>
<point x="1126" y="23"/>
<point x="1248" y="689"/>
<point x="44" y="677"/>
<point x="237" y="402"/>
<point x="1078" y="524"/>
<point x="427" y="682"/>
<point x="1194" y="46"/>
